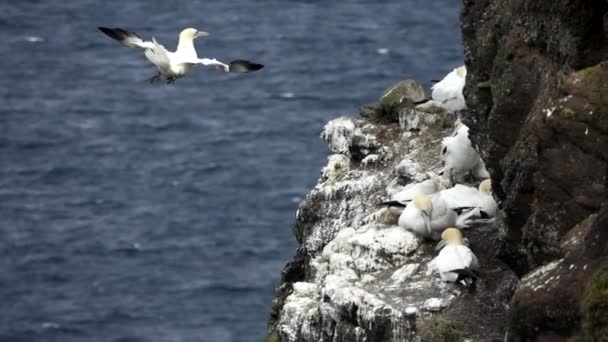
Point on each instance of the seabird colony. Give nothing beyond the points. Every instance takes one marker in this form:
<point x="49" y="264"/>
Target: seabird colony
<point x="175" y="64"/>
<point x="438" y="209"/>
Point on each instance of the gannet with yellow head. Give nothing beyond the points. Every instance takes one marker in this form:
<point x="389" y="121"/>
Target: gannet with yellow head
<point x="455" y="262"/>
<point x="174" y="65"/>
<point x="459" y="155"/>
<point x="447" y="93"/>
<point x="427" y="216"/>
<point x="462" y="196"/>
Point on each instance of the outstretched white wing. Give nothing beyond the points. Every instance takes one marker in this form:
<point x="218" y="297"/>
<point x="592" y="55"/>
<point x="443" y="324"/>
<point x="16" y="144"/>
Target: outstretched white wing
<point x="238" y="66"/>
<point x="156" y="53"/>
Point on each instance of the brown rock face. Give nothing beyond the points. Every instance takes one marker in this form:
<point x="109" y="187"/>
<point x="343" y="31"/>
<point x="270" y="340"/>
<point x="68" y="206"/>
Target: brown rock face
<point x="537" y="88"/>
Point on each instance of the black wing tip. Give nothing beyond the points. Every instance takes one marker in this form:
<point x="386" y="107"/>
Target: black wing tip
<point x="243" y="66"/>
<point x="392" y="204"/>
<point x="112" y="33"/>
<point x="467" y="276"/>
<point x="116" y="33"/>
<point x="460" y="210"/>
<point x="105" y="30"/>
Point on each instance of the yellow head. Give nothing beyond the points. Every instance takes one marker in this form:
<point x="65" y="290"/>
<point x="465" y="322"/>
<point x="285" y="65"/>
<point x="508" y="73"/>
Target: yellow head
<point x="452" y="235"/>
<point x="485" y="187"/>
<point x="461" y="71"/>
<point x="423" y="203"/>
<point x="192" y="33"/>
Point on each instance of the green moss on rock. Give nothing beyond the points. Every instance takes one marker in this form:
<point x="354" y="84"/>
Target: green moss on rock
<point x="594" y="307"/>
<point x="272" y="338"/>
<point x="440" y="329"/>
<point x="402" y="95"/>
<point x="589" y="88"/>
<point x="569" y="112"/>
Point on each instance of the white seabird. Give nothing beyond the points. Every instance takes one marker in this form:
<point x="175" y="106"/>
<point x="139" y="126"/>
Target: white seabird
<point x="447" y="93"/>
<point x="462" y="196"/>
<point x="428" y="216"/>
<point x="456" y="262"/>
<point x="459" y="155"/>
<point x="173" y="65"/>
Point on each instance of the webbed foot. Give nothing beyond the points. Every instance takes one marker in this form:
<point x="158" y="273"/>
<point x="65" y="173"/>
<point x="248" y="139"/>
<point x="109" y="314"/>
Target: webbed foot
<point x="154" y="78"/>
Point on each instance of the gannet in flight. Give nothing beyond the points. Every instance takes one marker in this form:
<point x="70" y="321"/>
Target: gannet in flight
<point x="462" y="196"/>
<point x="456" y="262"/>
<point x="428" y="216"/>
<point x="173" y="65"/>
<point x="458" y="154"/>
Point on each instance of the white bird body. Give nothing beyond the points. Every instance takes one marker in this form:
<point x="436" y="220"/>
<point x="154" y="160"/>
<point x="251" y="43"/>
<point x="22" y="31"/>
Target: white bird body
<point x="459" y="155"/>
<point x="447" y="93"/>
<point x="455" y="261"/>
<point x="428" y="219"/>
<point x="427" y="187"/>
<point x="452" y="257"/>
<point x="173" y="65"/>
<point x="461" y="196"/>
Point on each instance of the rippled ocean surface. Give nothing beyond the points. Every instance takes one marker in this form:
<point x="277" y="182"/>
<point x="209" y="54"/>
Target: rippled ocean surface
<point x="133" y="212"/>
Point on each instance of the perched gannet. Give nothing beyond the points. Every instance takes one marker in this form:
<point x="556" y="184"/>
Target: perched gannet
<point x="427" y="187"/>
<point x="459" y="155"/>
<point x="428" y="216"/>
<point x="447" y="93"/>
<point x="456" y="262"/>
<point x="173" y="65"/>
<point x="462" y="196"/>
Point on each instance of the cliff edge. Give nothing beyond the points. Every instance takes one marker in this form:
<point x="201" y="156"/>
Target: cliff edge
<point x="537" y="92"/>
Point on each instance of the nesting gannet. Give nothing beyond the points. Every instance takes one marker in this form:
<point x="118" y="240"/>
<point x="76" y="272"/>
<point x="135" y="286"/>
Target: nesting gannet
<point x="428" y="216"/>
<point x="456" y="262"/>
<point x="462" y="196"/>
<point x="459" y="155"/>
<point x="447" y="93"/>
<point x="427" y="187"/>
<point x="173" y="65"/>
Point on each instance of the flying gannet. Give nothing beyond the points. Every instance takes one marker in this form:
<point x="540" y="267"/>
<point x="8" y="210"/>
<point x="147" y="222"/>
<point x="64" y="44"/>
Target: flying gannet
<point x="456" y="262"/>
<point x="174" y="65"/>
<point x="459" y="155"/>
<point x="428" y="216"/>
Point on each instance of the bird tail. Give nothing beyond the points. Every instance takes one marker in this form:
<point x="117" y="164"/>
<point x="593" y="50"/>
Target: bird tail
<point x="393" y="204"/>
<point x="462" y="221"/>
<point x="422" y="101"/>
<point x="461" y="210"/>
<point x="466" y="276"/>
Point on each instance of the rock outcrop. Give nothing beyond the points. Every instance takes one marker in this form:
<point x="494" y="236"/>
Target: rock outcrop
<point x="537" y="92"/>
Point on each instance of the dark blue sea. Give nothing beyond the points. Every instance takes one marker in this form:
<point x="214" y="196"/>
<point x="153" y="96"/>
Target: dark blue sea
<point x="135" y="212"/>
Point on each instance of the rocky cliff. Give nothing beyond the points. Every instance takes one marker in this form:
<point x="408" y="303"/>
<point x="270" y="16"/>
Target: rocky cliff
<point x="538" y="97"/>
<point x="537" y="93"/>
